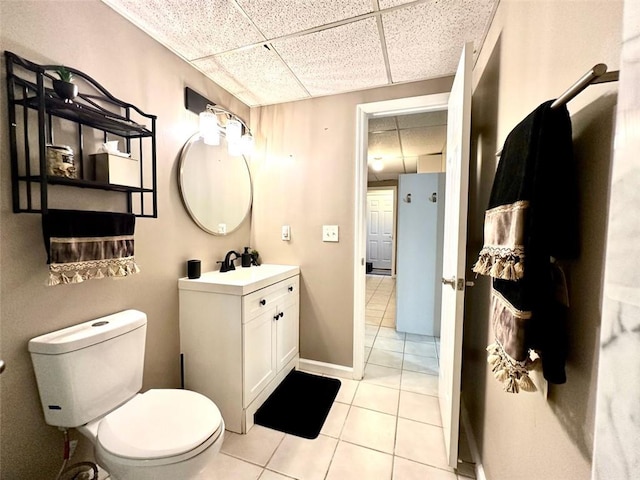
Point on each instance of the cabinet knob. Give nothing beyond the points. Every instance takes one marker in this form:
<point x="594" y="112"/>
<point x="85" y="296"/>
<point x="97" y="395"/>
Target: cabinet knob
<point x="291" y="288"/>
<point x="263" y="302"/>
<point x="276" y="316"/>
<point x="281" y="314"/>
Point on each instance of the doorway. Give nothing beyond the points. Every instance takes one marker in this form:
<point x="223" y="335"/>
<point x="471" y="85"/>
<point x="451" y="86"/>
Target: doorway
<point x="381" y="230"/>
<point x="365" y="112"/>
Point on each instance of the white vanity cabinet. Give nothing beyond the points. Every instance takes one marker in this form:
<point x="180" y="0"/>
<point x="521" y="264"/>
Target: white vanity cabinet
<point x="239" y="336"/>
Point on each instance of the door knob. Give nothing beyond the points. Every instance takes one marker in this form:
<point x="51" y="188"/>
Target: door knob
<point x="450" y="281"/>
<point x="453" y="283"/>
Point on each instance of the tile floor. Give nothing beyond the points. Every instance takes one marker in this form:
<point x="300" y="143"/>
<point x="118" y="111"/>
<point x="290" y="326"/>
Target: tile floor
<point x="385" y="427"/>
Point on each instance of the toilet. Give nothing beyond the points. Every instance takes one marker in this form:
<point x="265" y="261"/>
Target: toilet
<point x="89" y="377"/>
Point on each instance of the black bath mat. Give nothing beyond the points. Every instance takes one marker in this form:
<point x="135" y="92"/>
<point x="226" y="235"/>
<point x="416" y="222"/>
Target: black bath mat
<point x="299" y="405"/>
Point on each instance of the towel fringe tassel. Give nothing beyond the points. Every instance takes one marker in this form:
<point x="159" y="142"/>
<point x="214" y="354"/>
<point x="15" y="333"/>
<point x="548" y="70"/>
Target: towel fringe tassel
<point x="81" y="271"/>
<point x="509" y="267"/>
<point x="512" y="374"/>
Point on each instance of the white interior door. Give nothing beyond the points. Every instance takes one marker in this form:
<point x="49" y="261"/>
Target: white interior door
<point x="454" y="252"/>
<point x="380" y="228"/>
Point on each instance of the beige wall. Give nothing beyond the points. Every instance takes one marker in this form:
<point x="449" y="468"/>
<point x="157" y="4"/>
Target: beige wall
<point x="533" y="52"/>
<point x="91" y="37"/>
<point x="303" y="172"/>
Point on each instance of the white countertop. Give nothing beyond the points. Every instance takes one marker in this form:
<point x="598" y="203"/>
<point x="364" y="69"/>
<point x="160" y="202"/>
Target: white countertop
<point x="241" y="281"/>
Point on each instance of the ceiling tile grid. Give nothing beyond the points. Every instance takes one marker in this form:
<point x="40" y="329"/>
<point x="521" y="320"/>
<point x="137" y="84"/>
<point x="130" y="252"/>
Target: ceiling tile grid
<point x="425" y="40"/>
<point x="344" y="58"/>
<point x="322" y="47"/>
<point x="423" y="140"/>
<point x="277" y="18"/>
<point x="426" y="119"/>
<point x="379" y="124"/>
<point x="211" y="68"/>
<point x="264" y="74"/>
<point x="385" y="144"/>
<point x="193" y="29"/>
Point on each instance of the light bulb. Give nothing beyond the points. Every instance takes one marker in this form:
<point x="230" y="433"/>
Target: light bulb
<point x="377" y="165"/>
<point x="246" y="144"/>
<point x="233" y="131"/>
<point x="209" y="128"/>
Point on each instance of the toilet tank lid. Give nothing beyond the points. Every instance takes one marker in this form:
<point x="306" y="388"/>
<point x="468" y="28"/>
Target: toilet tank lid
<point x="87" y="333"/>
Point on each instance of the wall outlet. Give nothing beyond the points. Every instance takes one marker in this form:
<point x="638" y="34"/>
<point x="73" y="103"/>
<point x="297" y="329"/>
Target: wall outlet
<point x="330" y="233"/>
<point x="286" y="233"/>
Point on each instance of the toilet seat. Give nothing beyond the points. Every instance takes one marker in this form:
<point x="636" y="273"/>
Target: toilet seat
<point x="160" y="427"/>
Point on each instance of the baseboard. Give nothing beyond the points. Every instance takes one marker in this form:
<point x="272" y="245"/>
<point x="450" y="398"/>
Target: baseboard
<point x="323" y="368"/>
<point x="473" y="445"/>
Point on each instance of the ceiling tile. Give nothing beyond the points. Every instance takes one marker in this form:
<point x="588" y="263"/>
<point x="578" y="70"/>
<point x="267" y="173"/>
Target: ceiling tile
<point x="380" y="176"/>
<point x="194" y="29"/>
<point x="411" y="164"/>
<point x="263" y="74"/>
<point x="212" y="69"/>
<point x="423" y="140"/>
<point x="392" y="3"/>
<point x="336" y="60"/>
<point x="276" y="18"/>
<point x="425" y="40"/>
<point x="427" y="119"/>
<point x="384" y="144"/>
<point x="379" y="124"/>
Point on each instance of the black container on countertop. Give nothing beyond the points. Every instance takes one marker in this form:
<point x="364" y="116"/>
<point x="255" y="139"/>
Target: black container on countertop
<point x="193" y="269"/>
<point x="246" y="258"/>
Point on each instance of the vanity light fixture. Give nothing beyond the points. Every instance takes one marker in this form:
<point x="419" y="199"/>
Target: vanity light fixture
<point x="209" y="130"/>
<point x="233" y="130"/>
<point x="211" y="127"/>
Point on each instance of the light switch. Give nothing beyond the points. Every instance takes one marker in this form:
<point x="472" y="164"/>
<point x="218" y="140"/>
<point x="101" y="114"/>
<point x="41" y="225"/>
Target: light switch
<point x="286" y="233"/>
<point x="330" y="233"/>
<point x="222" y="228"/>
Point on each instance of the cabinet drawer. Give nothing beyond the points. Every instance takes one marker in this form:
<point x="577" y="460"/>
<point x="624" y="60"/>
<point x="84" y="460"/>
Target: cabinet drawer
<point x="267" y="298"/>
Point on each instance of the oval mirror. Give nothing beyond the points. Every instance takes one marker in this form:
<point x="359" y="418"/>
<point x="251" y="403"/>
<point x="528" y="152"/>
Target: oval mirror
<point x="215" y="186"/>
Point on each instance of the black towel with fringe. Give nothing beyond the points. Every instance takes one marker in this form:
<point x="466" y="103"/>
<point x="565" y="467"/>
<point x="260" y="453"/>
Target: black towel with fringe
<point x="83" y="245"/>
<point x="531" y="220"/>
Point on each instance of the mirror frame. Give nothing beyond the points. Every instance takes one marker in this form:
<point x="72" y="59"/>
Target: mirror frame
<point x="183" y="155"/>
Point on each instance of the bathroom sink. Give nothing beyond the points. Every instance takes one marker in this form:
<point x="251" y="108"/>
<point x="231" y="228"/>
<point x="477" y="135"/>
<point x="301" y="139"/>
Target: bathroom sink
<point x="240" y="281"/>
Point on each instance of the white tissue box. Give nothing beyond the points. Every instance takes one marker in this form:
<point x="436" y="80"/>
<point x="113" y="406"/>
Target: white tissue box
<point x="116" y="170"/>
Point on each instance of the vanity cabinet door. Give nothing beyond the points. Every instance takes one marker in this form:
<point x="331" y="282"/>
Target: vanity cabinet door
<point x="288" y="333"/>
<point x="259" y="354"/>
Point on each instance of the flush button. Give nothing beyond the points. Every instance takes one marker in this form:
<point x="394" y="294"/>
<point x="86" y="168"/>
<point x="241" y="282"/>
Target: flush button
<point x="100" y="323"/>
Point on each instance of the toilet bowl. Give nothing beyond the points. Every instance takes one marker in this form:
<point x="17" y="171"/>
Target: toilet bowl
<point x="89" y="377"/>
<point x="158" y="435"/>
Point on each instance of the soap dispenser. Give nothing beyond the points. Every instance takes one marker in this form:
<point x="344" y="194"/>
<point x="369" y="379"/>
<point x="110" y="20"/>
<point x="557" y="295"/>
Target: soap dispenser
<point x="246" y="258"/>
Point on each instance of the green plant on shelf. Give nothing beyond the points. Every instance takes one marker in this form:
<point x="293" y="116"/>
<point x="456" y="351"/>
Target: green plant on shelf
<point x="64" y="74"/>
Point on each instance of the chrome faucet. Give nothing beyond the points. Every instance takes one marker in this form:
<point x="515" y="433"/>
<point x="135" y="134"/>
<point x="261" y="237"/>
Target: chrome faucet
<point x="227" y="264"/>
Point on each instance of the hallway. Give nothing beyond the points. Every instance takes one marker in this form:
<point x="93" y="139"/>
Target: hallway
<point x="386" y="426"/>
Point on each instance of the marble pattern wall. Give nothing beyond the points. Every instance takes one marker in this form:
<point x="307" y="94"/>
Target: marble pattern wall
<point x="617" y="436"/>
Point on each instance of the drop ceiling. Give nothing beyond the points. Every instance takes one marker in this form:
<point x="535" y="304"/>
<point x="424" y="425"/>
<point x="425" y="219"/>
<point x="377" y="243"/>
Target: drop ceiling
<point x="400" y="141"/>
<point x="272" y="51"/>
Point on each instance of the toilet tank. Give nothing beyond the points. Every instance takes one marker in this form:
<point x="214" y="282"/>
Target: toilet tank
<point x="87" y="370"/>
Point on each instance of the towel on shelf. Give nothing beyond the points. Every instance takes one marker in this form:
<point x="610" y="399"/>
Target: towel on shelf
<point x="83" y="245"/>
<point x="531" y="220"/>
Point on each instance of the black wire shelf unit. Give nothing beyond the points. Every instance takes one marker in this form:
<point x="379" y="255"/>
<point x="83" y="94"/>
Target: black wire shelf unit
<point x="38" y="117"/>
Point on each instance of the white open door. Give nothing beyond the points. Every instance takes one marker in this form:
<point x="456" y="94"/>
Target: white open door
<point x="454" y="253"/>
